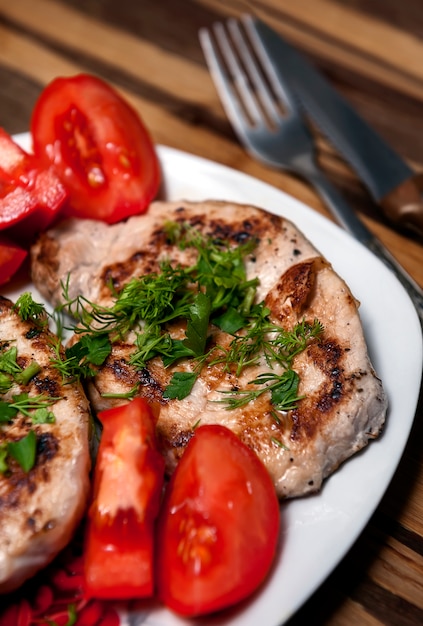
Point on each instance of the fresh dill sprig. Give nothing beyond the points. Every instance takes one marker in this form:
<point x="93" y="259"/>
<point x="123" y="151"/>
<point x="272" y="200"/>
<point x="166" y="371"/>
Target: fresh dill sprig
<point x="151" y="342"/>
<point x="158" y="297"/>
<point x="28" y="309"/>
<point x="264" y="339"/>
<point x="152" y="297"/>
<point x="220" y="268"/>
<point x="213" y="291"/>
<point x="123" y="396"/>
<point x="291" y="343"/>
<point x="29" y="406"/>
<point x="283" y="389"/>
<point x="83" y="357"/>
<point x="277" y="346"/>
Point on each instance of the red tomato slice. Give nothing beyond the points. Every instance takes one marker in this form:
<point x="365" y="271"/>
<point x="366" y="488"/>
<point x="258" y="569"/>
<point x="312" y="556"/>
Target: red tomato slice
<point x="219" y="526"/>
<point x="30" y="195"/>
<point x="11" y="258"/>
<point x="99" y="148"/>
<point x="128" y="480"/>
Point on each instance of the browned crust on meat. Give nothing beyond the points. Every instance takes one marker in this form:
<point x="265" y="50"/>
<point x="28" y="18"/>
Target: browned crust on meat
<point x="344" y="404"/>
<point x="32" y="509"/>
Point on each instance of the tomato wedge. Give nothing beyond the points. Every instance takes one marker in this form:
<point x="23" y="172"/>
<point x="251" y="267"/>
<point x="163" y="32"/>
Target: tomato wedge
<point x="11" y="258"/>
<point x="128" y="480"/>
<point x="30" y="194"/>
<point x="219" y="526"/>
<point x="98" y="146"/>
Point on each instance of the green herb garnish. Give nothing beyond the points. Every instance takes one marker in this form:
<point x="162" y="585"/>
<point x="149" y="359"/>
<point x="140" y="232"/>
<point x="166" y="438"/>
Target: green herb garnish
<point x="214" y="291"/>
<point x="28" y="309"/>
<point x="181" y="385"/>
<point x="12" y="373"/>
<point x="283" y="390"/>
<point x="36" y="408"/>
<point x="27" y="405"/>
<point x="24" y="450"/>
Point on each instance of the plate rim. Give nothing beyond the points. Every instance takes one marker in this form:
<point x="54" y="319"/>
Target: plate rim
<point x="167" y="156"/>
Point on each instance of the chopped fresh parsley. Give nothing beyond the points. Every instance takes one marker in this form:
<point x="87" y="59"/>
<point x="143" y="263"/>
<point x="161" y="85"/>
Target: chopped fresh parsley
<point x="283" y="390"/>
<point x="180" y="386"/>
<point x="213" y="292"/>
<point x="11" y="372"/>
<point x="36" y="408"/>
<point x="82" y="358"/>
<point x="3" y="458"/>
<point x="8" y="362"/>
<point x="29" y="406"/>
<point x="24" y="450"/>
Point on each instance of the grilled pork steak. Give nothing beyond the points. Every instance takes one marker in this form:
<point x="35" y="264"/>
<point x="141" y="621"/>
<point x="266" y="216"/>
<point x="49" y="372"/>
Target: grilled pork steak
<point x="39" y="507"/>
<point x="344" y="404"/>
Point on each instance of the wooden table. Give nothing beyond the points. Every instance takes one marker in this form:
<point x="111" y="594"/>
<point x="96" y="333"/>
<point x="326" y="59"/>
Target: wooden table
<point x="373" y="52"/>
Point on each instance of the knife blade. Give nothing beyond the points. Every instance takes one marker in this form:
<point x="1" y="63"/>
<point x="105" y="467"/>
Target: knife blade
<point x="389" y="179"/>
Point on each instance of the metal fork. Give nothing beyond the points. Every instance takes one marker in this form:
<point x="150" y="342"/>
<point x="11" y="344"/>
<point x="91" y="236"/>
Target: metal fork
<point x="270" y="125"/>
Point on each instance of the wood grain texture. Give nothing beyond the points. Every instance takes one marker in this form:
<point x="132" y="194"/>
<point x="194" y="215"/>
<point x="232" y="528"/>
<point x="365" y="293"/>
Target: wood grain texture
<point x="372" y="51"/>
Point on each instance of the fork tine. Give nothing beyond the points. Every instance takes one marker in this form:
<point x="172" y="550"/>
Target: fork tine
<point x="282" y="92"/>
<point x="254" y="73"/>
<point x="225" y="82"/>
<point x="239" y="77"/>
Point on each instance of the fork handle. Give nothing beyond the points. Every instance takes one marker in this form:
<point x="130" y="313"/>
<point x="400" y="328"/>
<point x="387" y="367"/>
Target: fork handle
<point x="345" y="215"/>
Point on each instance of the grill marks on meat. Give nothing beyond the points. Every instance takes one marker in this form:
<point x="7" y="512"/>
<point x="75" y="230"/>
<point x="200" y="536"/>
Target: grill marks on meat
<point x="344" y="404"/>
<point x="40" y="510"/>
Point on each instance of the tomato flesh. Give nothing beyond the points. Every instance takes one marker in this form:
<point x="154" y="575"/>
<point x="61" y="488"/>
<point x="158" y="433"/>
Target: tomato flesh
<point x="219" y="526"/>
<point x="30" y="195"/>
<point x="11" y="258"/>
<point x="98" y="146"/>
<point x="128" y="479"/>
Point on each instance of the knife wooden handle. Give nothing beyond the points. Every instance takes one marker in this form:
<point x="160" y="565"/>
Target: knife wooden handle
<point x="404" y="205"/>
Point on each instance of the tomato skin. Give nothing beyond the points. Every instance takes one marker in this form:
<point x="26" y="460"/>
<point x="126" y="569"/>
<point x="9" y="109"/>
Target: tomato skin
<point x="98" y="146"/>
<point x="219" y="526"/>
<point x="11" y="258"/>
<point x="128" y="480"/>
<point x="30" y="195"/>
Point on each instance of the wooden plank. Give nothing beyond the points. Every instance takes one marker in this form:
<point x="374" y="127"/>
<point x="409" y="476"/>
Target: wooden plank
<point x="60" y="25"/>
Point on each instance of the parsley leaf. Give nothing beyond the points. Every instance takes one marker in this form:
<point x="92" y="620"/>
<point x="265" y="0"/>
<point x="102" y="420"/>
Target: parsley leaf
<point x="283" y="390"/>
<point x="81" y="356"/>
<point x="198" y="323"/>
<point x="180" y="385"/>
<point x="8" y="363"/>
<point x="6" y="382"/>
<point x="230" y="321"/>
<point x="43" y="416"/>
<point x="214" y="290"/>
<point x="24" y="450"/>
<point x="3" y="458"/>
<point x="179" y="350"/>
<point x="150" y="343"/>
<point x="7" y="411"/>
<point x="11" y="372"/>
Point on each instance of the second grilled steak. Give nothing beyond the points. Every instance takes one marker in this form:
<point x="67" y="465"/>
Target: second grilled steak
<point x="41" y="504"/>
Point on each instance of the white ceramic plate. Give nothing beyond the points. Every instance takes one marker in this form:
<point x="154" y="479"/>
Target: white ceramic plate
<point x="316" y="531"/>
